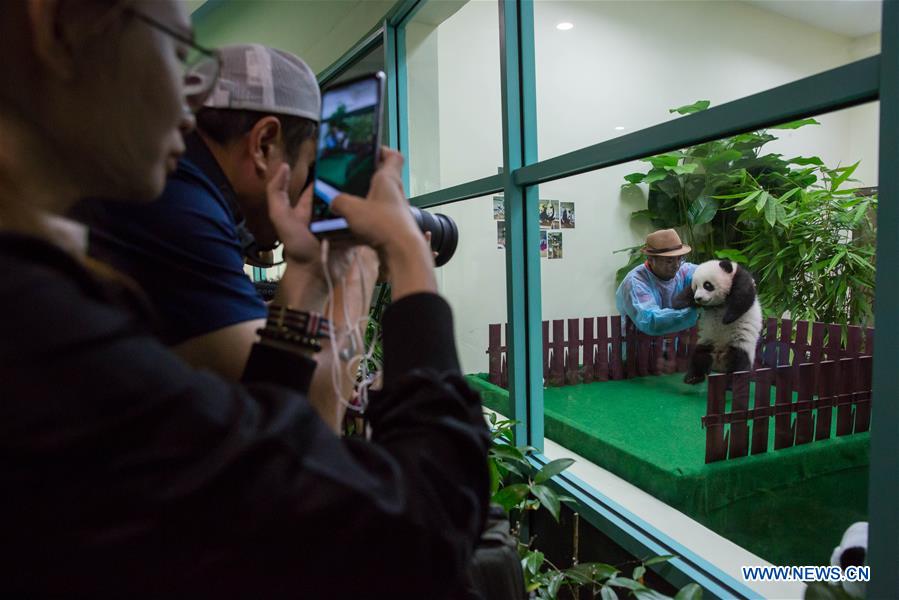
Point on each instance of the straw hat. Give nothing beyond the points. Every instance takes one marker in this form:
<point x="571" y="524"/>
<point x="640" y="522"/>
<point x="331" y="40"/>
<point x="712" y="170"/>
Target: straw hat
<point x="665" y="242"/>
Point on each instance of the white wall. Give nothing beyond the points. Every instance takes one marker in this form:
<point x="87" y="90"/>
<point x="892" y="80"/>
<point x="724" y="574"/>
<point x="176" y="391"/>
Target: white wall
<point x="624" y="64"/>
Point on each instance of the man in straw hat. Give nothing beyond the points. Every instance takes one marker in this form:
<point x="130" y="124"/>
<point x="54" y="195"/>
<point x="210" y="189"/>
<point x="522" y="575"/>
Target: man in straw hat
<point x="646" y="293"/>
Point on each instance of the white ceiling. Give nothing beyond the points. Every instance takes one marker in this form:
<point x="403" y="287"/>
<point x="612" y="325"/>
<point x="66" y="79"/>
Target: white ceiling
<point x="853" y="18"/>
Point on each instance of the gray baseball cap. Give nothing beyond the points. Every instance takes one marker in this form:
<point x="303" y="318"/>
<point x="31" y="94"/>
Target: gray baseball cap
<point x="256" y="77"/>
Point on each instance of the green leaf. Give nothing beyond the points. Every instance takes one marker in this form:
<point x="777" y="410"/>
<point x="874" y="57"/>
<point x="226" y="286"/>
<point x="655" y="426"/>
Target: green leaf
<point x="691" y="591"/>
<point x="687" y="109"/>
<point x="511" y="495"/>
<point x="750" y="198"/>
<point x="655" y="175"/>
<point x="762" y="200"/>
<point x="731" y="254"/>
<point x="806" y="160"/>
<point x="532" y="561"/>
<point x="840" y="175"/>
<point x="548" y="499"/>
<point x="554" y="584"/>
<point x="668" y="159"/>
<point x="607" y="593"/>
<point x="507" y="452"/>
<point x="551" y="469"/>
<point x="494" y="477"/>
<point x="635" y="178"/>
<point x="789" y="194"/>
<point x="648" y="594"/>
<point x="658" y="559"/>
<point x="819" y="590"/>
<point x="771" y="212"/>
<point x="836" y="259"/>
<point x="796" y="124"/>
<point x="585" y="573"/>
<point x="702" y="210"/>
<point x="684" y="169"/>
<point x="639" y="571"/>
<point x="625" y="583"/>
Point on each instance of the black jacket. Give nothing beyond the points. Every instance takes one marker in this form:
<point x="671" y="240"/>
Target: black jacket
<point x="127" y="473"/>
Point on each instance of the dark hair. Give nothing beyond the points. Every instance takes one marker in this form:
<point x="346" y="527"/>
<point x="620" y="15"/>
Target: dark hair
<point x="226" y="125"/>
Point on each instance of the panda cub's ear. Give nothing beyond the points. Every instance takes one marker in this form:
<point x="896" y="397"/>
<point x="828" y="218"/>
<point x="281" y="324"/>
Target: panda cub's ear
<point x="726" y="266"/>
<point x="741" y="296"/>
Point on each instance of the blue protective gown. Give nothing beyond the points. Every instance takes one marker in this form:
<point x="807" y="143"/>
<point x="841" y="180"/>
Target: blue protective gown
<point x="646" y="300"/>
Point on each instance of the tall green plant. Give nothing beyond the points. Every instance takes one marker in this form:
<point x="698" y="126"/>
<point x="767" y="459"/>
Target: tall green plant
<point x="793" y="221"/>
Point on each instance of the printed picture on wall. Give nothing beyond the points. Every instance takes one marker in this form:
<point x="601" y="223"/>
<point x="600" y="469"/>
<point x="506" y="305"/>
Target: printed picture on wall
<point x="543" y="245"/>
<point x="499" y="209"/>
<point x="500" y="235"/>
<point x="555" y="244"/>
<point x="549" y="212"/>
<point x="556" y="224"/>
<point x="567" y="215"/>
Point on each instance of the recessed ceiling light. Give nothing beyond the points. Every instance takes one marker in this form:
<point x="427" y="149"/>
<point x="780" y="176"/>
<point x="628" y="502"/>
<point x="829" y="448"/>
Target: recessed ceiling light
<point x="564" y="26"/>
<point x="619" y="128"/>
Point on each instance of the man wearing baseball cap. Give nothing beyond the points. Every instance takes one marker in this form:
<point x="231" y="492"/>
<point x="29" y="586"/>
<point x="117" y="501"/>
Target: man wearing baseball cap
<point x="646" y="293"/>
<point x="187" y="250"/>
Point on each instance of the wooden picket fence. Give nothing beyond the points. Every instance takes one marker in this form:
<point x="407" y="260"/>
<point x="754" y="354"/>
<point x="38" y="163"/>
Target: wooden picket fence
<point x="827" y="370"/>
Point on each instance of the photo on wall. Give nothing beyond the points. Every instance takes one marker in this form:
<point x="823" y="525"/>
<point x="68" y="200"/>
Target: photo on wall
<point x="499" y="208"/>
<point x="500" y="235"/>
<point x="566" y="215"/>
<point x="555" y="244"/>
<point x="549" y="212"/>
<point x="543" y="245"/>
<point x="556" y="224"/>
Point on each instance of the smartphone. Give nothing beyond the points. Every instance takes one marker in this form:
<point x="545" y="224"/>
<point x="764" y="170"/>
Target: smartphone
<point x="349" y="142"/>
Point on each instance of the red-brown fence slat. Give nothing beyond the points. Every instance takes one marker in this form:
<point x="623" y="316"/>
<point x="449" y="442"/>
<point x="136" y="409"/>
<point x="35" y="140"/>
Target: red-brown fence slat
<point x="869" y="341"/>
<point x="601" y="364"/>
<point x="494" y="354"/>
<point x="630" y="350"/>
<point x="846" y="386"/>
<point x="863" y="408"/>
<point x="834" y="349"/>
<point x="715" y="438"/>
<point x="785" y="342"/>
<point x="682" y="350"/>
<point x="801" y="346"/>
<point x="617" y="368"/>
<point x="853" y="341"/>
<point x="739" y="429"/>
<point x="784" y="430"/>
<point x="804" y="428"/>
<point x="643" y="344"/>
<point x="817" y="347"/>
<point x="504" y="373"/>
<point x="826" y="390"/>
<point x="763" y="380"/>
<point x="556" y="365"/>
<point x="769" y="350"/>
<point x="572" y="356"/>
<point x="589" y="352"/>
<point x="545" y="352"/>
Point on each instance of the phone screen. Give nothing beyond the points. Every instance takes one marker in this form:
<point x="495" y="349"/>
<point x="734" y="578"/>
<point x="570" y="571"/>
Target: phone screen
<point x="348" y="143"/>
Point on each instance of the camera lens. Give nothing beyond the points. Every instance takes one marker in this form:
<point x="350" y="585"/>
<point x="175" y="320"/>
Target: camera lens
<point x="444" y="233"/>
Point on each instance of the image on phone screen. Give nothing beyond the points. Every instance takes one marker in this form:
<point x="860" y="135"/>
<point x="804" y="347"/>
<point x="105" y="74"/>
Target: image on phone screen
<point x="347" y="147"/>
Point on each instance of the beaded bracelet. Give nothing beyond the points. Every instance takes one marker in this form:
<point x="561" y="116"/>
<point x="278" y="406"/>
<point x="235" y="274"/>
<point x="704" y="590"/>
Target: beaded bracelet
<point x="304" y="323"/>
<point x="283" y="334"/>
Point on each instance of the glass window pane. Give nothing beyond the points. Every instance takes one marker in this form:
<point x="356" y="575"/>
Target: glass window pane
<point x="455" y="119"/>
<point x="639" y="422"/>
<point x="474" y="282"/>
<point x="607" y="68"/>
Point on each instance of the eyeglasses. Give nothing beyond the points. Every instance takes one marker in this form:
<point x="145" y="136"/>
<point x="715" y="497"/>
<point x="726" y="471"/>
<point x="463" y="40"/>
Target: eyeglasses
<point x="202" y="66"/>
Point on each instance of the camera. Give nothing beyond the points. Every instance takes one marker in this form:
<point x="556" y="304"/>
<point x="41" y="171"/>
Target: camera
<point x="444" y="233"/>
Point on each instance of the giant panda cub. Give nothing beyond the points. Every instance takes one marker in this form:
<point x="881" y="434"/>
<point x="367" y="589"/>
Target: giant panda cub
<point x="731" y="319"/>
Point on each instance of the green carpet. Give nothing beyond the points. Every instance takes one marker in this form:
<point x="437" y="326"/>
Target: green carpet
<point x="789" y="507"/>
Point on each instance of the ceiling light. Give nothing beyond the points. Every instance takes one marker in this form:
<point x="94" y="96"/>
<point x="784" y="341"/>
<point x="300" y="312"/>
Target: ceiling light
<point x="564" y="26"/>
<point x="619" y="128"/>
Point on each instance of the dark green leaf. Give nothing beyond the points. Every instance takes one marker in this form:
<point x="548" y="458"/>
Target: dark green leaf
<point x="648" y="594"/>
<point x="796" y="124"/>
<point x="634" y="178"/>
<point x="789" y="194"/>
<point x="532" y="561"/>
<point x="607" y="593"/>
<point x="702" y="210"/>
<point x="771" y="211"/>
<point x="591" y="572"/>
<point x="840" y="175"/>
<point x="731" y="254"/>
<point x="762" y="201"/>
<point x="511" y="495"/>
<point x="494" y="477"/>
<point x="655" y="175"/>
<point x="548" y="499"/>
<point x="555" y="583"/>
<point x="639" y="571"/>
<point x="659" y="559"/>
<point x="687" y="109"/>
<point x="625" y="583"/>
<point x="691" y="591"/>
<point x="806" y="160"/>
<point x="507" y="452"/>
<point x="567" y="499"/>
<point x="551" y="469"/>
